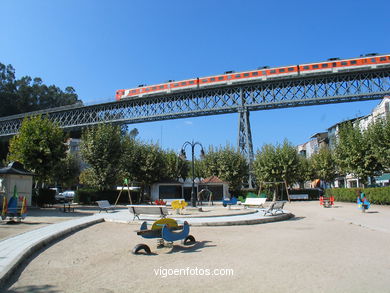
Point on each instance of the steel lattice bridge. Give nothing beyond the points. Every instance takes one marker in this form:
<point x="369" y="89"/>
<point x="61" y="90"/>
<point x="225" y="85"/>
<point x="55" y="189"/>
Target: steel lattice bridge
<point x="317" y="89"/>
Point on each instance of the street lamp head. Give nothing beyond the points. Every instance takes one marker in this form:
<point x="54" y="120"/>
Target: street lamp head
<point x="202" y="153"/>
<point x="182" y="154"/>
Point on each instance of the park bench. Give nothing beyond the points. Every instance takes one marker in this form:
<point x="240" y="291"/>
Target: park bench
<point x="137" y="210"/>
<point x="274" y="207"/>
<point x="254" y="201"/>
<point x="104" y="205"/>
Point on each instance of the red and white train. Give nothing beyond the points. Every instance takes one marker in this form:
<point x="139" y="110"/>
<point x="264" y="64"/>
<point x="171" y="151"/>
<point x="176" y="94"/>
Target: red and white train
<point x="332" y="65"/>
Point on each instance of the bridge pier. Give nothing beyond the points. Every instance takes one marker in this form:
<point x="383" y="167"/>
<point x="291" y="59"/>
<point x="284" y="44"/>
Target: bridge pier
<point x="245" y="145"/>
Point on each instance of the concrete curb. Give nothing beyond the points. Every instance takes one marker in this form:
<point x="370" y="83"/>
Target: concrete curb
<point x="270" y="219"/>
<point x="10" y="268"/>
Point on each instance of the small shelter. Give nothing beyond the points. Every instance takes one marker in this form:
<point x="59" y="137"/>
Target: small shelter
<point x="15" y="175"/>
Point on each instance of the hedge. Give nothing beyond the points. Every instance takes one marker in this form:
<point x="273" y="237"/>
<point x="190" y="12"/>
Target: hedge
<point x="90" y="196"/>
<point x="377" y="195"/>
<point x="44" y="197"/>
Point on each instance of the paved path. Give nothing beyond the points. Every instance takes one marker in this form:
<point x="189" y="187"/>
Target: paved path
<point x="15" y="249"/>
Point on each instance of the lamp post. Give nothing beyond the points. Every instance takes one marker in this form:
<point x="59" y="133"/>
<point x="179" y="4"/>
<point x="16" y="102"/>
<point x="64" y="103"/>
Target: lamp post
<point x="183" y="156"/>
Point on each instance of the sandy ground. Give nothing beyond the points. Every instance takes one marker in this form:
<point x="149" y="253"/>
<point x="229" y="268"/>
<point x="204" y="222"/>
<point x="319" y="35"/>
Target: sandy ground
<point x="320" y="250"/>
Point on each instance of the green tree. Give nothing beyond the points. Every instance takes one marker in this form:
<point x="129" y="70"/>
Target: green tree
<point x="30" y="94"/>
<point x="141" y="162"/>
<point x="278" y="163"/>
<point x="324" y="165"/>
<point x="40" y="146"/>
<point x="306" y="172"/>
<point x="378" y="134"/>
<point x="227" y="164"/>
<point x="69" y="171"/>
<point x="101" y="149"/>
<point x="353" y="153"/>
<point x="8" y="91"/>
<point x="174" y="167"/>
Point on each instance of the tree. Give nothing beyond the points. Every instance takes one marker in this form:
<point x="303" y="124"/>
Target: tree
<point x="40" y="146"/>
<point x="69" y="171"/>
<point x="227" y="164"/>
<point x="7" y="90"/>
<point x="354" y="153"/>
<point x="174" y="167"/>
<point x="324" y="165"/>
<point x="30" y="94"/>
<point x="133" y="133"/>
<point x="306" y="172"/>
<point x="278" y="163"/>
<point x="101" y="149"/>
<point x="378" y="134"/>
<point x="141" y="162"/>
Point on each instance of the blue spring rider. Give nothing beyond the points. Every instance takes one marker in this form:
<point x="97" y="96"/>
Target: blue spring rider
<point x="362" y="202"/>
<point x="164" y="230"/>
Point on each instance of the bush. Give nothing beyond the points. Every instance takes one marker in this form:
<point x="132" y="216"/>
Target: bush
<point x="378" y="195"/>
<point x="45" y="197"/>
<point x="314" y="193"/>
<point x="90" y="196"/>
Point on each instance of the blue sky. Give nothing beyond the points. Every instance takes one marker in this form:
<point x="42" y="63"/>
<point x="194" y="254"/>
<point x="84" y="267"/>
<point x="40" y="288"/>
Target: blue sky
<point x="101" y="46"/>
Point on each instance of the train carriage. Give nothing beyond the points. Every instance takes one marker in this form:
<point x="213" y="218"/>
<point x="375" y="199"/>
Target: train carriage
<point x="333" y="65"/>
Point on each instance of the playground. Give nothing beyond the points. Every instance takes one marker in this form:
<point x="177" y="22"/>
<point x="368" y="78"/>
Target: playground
<point x="298" y="255"/>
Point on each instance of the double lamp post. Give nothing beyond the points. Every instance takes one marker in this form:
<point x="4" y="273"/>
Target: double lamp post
<point x="183" y="156"/>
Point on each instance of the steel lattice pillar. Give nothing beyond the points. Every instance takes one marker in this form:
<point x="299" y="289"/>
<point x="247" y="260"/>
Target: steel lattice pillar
<point x="245" y="140"/>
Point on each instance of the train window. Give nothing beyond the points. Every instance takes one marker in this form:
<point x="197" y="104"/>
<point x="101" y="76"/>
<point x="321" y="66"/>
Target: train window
<point x="246" y="74"/>
<point x="184" y="83"/>
<point x="324" y="65"/>
<point x="344" y="63"/>
<point x="230" y="76"/>
<point x="282" y="70"/>
<point x="373" y="60"/>
<point x="212" y="79"/>
<point x="315" y="66"/>
<point x="238" y="75"/>
<point x="353" y="62"/>
<point x="220" y="78"/>
<point x="272" y="71"/>
<point x="305" y="67"/>
<point x="334" y="64"/>
<point x="134" y="91"/>
<point x="290" y="69"/>
<point x="161" y="87"/>
<point x="382" y="59"/>
<point x="175" y="84"/>
<point x="255" y="73"/>
<point x="154" y="88"/>
<point x="191" y="82"/>
<point x="204" y="80"/>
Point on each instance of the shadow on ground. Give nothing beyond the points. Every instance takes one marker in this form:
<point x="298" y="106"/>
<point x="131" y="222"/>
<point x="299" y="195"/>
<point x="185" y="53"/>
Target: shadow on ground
<point x="35" y="289"/>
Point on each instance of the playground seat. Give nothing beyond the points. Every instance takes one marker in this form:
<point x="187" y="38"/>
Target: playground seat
<point x="229" y="202"/>
<point x="327" y="202"/>
<point x="11" y="211"/>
